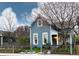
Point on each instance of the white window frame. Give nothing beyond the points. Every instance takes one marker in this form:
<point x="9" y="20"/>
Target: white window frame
<point x="44" y="33"/>
<point x="38" y="23"/>
<point x="34" y="39"/>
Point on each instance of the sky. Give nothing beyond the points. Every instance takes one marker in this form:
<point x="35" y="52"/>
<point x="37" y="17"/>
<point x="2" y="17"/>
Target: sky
<point x="20" y="8"/>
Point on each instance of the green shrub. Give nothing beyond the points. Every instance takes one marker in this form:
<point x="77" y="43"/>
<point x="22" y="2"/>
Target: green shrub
<point x="67" y="49"/>
<point x="76" y="37"/>
<point x="23" y="40"/>
<point x="36" y="49"/>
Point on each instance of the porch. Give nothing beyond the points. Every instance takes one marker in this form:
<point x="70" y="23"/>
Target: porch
<point x="56" y="39"/>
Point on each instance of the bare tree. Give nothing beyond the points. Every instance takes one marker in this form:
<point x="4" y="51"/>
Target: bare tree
<point x="9" y="23"/>
<point x="63" y="13"/>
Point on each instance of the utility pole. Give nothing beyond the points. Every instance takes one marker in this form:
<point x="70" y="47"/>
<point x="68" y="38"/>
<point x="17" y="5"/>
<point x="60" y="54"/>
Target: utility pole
<point x="30" y="41"/>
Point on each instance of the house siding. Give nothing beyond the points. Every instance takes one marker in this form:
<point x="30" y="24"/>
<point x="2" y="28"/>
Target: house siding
<point x="39" y="30"/>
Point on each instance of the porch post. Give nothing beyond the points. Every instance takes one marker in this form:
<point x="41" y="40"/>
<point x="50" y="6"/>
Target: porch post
<point x="70" y="43"/>
<point x="1" y="40"/>
<point x="50" y="37"/>
<point x="57" y="39"/>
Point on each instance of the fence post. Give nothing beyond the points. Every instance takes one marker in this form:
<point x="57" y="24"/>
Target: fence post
<point x="13" y="49"/>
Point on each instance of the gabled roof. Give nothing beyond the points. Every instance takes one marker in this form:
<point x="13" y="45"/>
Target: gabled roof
<point x="46" y="21"/>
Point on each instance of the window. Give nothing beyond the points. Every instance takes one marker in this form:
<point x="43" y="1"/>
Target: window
<point x="35" y="39"/>
<point x="45" y="38"/>
<point x="39" y="23"/>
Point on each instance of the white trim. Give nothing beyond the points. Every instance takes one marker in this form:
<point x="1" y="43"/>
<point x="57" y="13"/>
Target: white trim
<point x="43" y="37"/>
<point x="38" y="23"/>
<point x="34" y="39"/>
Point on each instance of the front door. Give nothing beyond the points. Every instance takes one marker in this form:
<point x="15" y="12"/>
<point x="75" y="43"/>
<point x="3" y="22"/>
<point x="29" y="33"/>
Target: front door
<point x="54" y="40"/>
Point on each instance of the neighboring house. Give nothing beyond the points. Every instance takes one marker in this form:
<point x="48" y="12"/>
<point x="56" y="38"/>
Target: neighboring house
<point x="42" y="32"/>
<point x="13" y="40"/>
<point x="1" y="40"/>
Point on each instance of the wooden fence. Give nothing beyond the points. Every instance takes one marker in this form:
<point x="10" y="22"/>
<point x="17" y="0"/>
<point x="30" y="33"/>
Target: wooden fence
<point x="13" y="48"/>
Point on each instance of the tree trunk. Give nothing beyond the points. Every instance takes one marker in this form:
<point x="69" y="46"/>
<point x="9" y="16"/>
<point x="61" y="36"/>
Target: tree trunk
<point x="64" y="40"/>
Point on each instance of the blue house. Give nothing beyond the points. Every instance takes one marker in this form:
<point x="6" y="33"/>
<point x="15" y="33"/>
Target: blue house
<point x="42" y="32"/>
